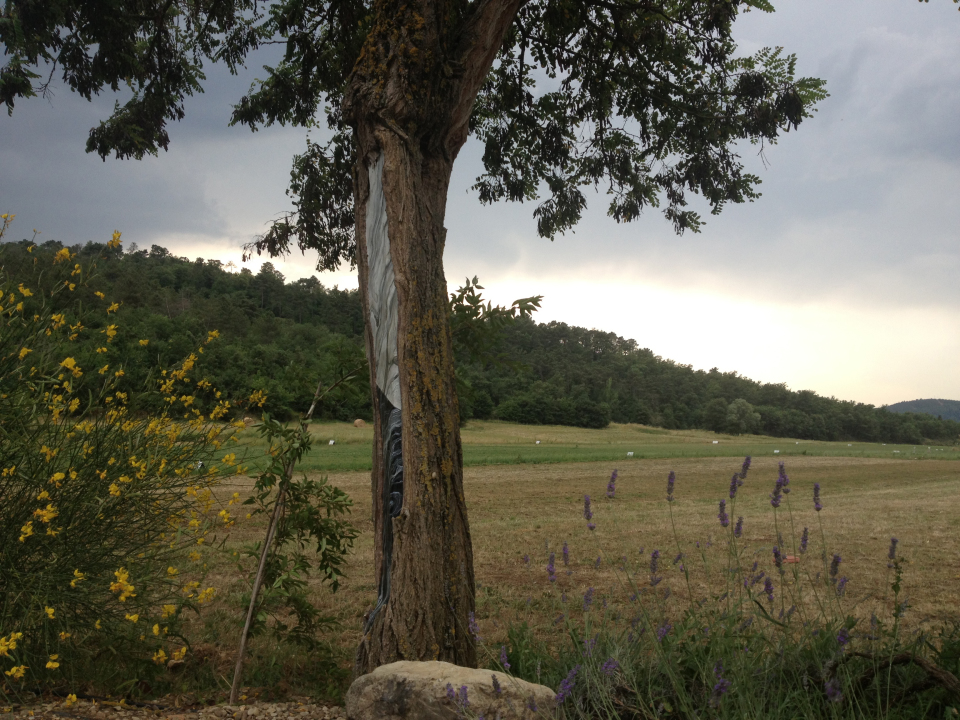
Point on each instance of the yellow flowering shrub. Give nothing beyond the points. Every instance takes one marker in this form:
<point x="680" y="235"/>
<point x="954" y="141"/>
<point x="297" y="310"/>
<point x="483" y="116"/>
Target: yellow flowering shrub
<point x="100" y="504"/>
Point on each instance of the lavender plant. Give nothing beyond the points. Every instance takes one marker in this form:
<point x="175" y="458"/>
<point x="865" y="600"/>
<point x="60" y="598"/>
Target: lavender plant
<point x="775" y="637"/>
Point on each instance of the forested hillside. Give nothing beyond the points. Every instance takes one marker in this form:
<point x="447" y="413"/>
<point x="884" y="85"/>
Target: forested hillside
<point x="946" y="409"/>
<point x="274" y="336"/>
<point x="578" y="376"/>
<point x="282" y="337"/>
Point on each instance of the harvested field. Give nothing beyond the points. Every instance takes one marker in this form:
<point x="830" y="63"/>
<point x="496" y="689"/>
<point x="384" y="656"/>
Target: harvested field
<point x="518" y="510"/>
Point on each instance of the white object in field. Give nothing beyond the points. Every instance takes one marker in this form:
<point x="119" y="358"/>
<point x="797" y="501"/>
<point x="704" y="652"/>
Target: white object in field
<point x="716" y="442"/>
<point x="629" y="454"/>
<point x="775" y="452"/>
<point x="896" y="451"/>
<point x="798" y="443"/>
<point x="382" y="289"/>
<point x="849" y="444"/>
<point x="538" y="442"/>
<point x="333" y="442"/>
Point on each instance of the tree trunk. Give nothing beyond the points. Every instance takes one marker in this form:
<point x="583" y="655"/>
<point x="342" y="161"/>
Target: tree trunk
<point x="409" y="102"/>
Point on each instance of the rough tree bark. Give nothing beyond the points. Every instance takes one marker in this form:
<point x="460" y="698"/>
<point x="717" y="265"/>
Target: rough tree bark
<point x="409" y="101"/>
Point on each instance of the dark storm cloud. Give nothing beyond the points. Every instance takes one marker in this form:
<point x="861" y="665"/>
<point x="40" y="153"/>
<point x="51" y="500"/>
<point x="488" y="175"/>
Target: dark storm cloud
<point x="858" y="204"/>
<point x="216" y="181"/>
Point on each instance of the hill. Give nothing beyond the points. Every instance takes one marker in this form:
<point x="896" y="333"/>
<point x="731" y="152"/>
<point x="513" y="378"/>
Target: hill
<point x="946" y="409"/>
<point x="281" y="337"/>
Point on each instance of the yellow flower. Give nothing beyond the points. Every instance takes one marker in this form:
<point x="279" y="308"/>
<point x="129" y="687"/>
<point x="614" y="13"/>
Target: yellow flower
<point x="121" y="586"/>
<point x="111" y="332"/>
<point x="195" y="556"/>
<point x="77" y="577"/>
<point x="156" y="629"/>
<point x="71" y="365"/>
<point x="118" y="373"/>
<point x="101" y="350"/>
<point x="224" y="515"/>
<point x="96" y="625"/>
<point x="50" y="612"/>
<point x="17" y="671"/>
<point x="56" y="478"/>
<point x="99" y="294"/>
<point x="113" y="308"/>
<point x="24" y="291"/>
<point x="26" y="531"/>
<point x="9" y="643"/>
<point x="65" y="635"/>
<point x="144" y="342"/>
<point x="160" y="657"/>
<point x="43" y="496"/>
<point x="46" y="514"/>
<point x="135" y="618"/>
<point x="230" y="459"/>
<point x="178" y="655"/>
<point x="71" y="700"/>
<point x="64" y="254"/>
<point x="114" y="490"/>
<point x="115" y="241"/>
<point x="171" y="571"/>
<point x="52" y="663"/>
<point x="258" y="398"/>
<point x="168" y="611"/>
<point x="206" y="595"/>
<point x="104" y="369"/>
<point x="24" y="352"/>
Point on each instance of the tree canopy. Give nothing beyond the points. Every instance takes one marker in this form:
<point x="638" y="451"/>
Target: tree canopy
<point x="645" y="100"/>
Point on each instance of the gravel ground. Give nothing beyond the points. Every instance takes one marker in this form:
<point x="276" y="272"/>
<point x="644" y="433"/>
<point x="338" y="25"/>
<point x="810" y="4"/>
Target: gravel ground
<point x="107" y="710"/>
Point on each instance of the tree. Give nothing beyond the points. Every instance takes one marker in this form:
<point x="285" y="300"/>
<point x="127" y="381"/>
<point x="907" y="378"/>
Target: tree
<point x="644" y="97"/>
<point x="715" y="415"/>
<point x="742" y="418"/>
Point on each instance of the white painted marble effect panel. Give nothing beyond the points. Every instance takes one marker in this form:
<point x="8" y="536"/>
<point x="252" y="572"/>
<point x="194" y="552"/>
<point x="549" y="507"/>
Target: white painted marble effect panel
<point x="382" y="289"/>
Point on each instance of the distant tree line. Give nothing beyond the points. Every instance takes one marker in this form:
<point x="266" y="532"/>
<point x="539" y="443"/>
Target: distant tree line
<point x="575" y="376"/>
<point x="283" y="337"/>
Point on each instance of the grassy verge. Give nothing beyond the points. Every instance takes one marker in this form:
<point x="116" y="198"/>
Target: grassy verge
<point x="500" y="443"/>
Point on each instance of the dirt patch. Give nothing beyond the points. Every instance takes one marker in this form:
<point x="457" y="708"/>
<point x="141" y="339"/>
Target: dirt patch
<point x="107" y="710"/>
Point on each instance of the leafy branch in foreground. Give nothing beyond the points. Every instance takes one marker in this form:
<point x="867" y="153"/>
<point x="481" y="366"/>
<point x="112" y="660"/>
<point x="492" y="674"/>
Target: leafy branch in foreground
<point x="303" y="512"/>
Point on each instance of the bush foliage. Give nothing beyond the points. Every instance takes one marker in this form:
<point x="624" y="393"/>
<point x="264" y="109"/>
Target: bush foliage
<point x="106" y="513"/>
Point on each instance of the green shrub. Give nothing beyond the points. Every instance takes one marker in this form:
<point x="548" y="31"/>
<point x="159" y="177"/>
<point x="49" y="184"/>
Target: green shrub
<point x="105" y="514"/>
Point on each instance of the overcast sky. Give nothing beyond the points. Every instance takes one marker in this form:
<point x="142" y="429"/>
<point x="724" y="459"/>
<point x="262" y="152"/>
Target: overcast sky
<point x="843" y="278"/>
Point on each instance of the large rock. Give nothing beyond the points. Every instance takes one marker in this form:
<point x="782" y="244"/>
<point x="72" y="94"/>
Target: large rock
<point x="432" y="691"/>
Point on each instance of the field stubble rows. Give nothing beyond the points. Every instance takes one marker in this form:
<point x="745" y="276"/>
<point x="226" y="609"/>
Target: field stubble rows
<point x="532" y="509"/>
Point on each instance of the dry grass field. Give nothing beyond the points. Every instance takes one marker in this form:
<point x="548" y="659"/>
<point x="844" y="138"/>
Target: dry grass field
<point x="532" y="509"/>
